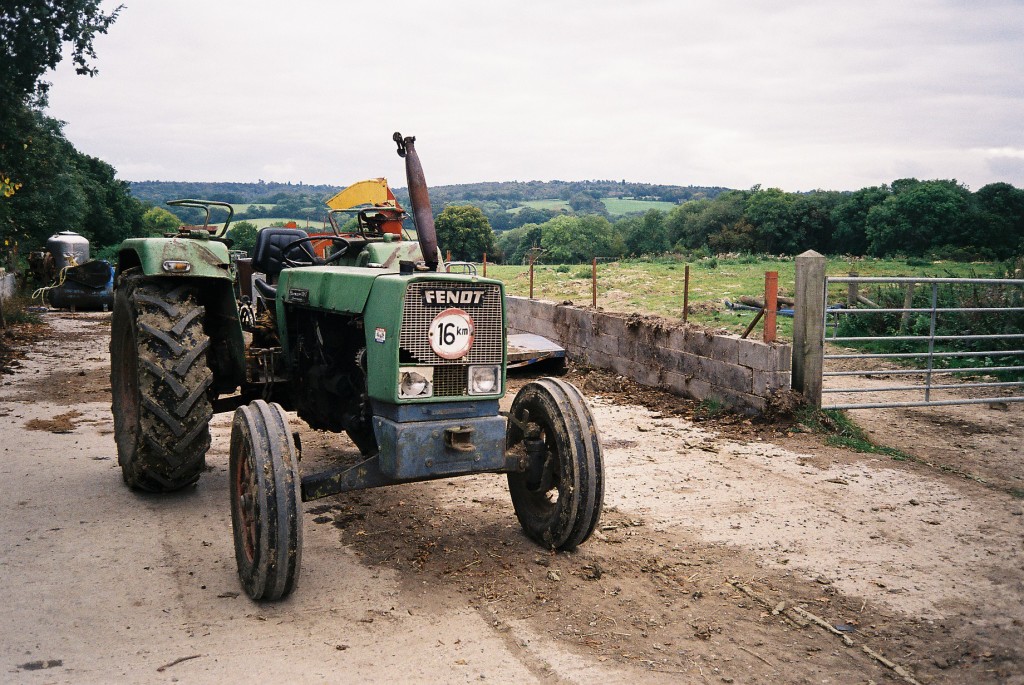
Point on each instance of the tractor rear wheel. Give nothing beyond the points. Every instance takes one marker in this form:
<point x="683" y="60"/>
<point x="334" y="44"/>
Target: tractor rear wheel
<point x="558" y="498"/>
<point x="159" y="380"/>
<point x="266" y="512"/>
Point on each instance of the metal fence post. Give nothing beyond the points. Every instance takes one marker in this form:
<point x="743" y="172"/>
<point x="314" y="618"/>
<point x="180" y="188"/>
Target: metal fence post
<point x="809" y="326"/>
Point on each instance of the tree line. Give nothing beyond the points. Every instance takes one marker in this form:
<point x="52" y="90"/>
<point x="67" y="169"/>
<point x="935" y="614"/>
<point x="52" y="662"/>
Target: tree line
<point x="938" y="218"/>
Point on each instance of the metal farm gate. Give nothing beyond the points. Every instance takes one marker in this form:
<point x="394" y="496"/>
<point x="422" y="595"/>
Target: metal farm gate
<point x="941" y="358"/>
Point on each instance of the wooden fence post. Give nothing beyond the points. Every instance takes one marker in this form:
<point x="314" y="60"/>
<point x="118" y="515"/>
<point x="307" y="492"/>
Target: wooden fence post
<point x="593" y="281"/>
<point x="771" y="295"/>
<point x="809" y="326"/>
<point x="531" y="275"/>
<point x="686" y="292"/>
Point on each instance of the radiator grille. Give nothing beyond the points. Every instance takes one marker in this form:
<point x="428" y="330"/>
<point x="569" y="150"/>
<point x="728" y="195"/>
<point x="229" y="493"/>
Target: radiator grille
<point x="488" y="342"/>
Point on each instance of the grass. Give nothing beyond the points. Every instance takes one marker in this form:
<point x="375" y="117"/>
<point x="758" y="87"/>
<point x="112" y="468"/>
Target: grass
<point x="315" y="226"/>
<point x="616" y="206"/>
<point x="244" y="207"/>
<point x="555" y="205"/>
<point x="656" y="287"/>
<point x="15" y="310"/>
<point x="842" y="432"/>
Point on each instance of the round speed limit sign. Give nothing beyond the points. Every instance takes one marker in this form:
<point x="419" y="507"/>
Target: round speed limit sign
<point x="451" y="334"/>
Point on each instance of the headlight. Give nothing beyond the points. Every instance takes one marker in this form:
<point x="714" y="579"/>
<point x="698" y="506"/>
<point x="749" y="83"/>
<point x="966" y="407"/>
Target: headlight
<point x="177" y="266"/>
<point x="415" y="382"/>
<point x="484" y="380"/>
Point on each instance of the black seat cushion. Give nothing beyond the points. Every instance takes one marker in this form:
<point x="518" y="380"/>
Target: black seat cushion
<point x="268" y="257"/>
<point x="265" y="289"/>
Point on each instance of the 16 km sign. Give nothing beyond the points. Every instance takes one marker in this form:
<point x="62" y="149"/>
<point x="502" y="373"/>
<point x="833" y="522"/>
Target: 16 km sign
<point x="451" y="334"/>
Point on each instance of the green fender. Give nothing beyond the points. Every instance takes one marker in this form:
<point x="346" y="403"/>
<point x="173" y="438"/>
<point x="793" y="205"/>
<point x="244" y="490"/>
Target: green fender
<point x="206" y="258"/>
<point x="209" y="263"/>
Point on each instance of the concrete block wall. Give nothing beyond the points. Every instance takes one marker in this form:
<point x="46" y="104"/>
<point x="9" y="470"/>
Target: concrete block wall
<point x="688" y="360"/>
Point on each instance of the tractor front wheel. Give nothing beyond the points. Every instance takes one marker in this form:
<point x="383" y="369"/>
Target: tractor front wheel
<point x="159" y="380"/>
<point x="266" y="513"/>
<point x="559" y="496"/>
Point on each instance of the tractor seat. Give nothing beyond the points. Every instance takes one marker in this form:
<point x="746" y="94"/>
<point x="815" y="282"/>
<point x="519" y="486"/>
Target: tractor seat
<point x="268" y="291"/>
<point x="268" y="257"/>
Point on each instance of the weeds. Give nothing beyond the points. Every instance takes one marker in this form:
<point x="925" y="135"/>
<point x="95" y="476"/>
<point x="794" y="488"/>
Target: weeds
<point x="842" y="432"/>
<point x="15" y="311"/>
<point x="709" y="408"/>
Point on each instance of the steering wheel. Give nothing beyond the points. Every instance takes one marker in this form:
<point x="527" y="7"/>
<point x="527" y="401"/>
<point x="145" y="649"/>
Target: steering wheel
<point x="316" y="261"/>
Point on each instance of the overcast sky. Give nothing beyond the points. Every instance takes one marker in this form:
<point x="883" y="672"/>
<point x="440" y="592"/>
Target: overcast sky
<point x="795" y="95"/>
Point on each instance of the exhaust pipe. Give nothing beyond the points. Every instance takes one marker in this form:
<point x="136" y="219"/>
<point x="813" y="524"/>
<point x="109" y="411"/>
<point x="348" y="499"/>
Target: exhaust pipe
<point x="420" y="199"/>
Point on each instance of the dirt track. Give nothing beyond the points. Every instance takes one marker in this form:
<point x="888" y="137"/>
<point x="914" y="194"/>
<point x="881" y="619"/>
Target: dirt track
<point x="720" y="544"/>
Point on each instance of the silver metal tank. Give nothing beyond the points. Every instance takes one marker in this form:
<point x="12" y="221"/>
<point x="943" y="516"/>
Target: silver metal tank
<point x="65" y="245"/>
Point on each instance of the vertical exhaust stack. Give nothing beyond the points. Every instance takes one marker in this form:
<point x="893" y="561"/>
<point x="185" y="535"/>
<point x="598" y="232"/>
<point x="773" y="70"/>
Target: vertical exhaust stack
<point x="420" y="200"/>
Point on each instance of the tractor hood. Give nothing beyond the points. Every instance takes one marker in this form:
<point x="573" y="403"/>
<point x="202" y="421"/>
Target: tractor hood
<point x="330" y="288"/>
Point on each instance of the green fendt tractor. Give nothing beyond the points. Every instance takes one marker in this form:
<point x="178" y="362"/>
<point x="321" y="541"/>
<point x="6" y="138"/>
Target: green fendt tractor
<point x="374" y="339"/>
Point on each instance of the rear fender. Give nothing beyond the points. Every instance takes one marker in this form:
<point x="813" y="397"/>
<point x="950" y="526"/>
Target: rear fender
<point x="206" y="258"/>
<point x="210" y="269"/>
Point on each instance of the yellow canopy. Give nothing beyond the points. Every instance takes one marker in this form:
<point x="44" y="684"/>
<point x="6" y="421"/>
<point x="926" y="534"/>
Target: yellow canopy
<point x="373" y="192"/>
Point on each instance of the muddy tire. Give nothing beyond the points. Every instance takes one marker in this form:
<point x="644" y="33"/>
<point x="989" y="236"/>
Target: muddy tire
<point x="266" y="513"/>
<point x="159" y="380"/>
<point x="558" y="499"/>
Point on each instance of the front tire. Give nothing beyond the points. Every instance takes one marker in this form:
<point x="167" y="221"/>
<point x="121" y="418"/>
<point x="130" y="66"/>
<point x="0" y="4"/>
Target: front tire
<point x="559" y="497"/>
<point x="159" y="380"/>
<point x="266" y="514"/>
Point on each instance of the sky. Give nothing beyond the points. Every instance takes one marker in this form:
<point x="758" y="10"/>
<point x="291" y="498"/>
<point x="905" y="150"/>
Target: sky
<point x="793" y="95"/>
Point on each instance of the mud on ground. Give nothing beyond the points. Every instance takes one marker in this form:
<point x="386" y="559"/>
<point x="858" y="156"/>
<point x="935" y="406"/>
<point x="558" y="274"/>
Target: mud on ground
<point x="730" y="550"/>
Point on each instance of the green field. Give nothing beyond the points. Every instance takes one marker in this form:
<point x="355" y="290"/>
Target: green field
<point x="239" y="208"/>
<point x="554" y="205"/>
<point x="657" y="287"/>
<point x="314" y="226"/>
<point x="616" y="206"/>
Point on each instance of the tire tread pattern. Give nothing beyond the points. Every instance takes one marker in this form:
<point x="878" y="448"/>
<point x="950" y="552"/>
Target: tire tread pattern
<point x="172" y="434"/>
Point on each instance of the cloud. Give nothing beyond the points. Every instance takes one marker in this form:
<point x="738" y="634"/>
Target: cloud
<point x="798" y="95"/>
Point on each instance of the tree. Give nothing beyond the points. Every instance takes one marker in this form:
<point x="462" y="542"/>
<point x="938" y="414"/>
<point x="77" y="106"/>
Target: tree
<point x="850" y="218"/>
<point x="32" y="36"/>
<point x="583" y="203"/>
<point x="696" y="221"/>
<point x="575" y="239"/>
<point x="1000" y="221"/>
<point x="46" y="185"/>
<point x="465" y="231"/>
<point x="156" y="221"/>
<point x="918" y="216"/>
<point x="513" y="245"/>
<point x="811" y="214"/>
<point x="243" y="236"/>
<point x="769" y="212"/>
<point x="644" y="234"/>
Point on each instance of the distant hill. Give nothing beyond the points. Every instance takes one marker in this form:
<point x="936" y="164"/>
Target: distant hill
<point x="509" y="193"/>
<point x="507" y="204"/>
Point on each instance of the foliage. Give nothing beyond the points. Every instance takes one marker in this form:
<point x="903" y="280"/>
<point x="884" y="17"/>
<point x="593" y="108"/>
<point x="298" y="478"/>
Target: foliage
<point x="243" y="236"/>
<point x="646" y="234"/>
<point x="574" y="239"/>
<point x="63" y="189"/>
<point x="32" y="38"/>
<point x="947" y="323"/>
<point x="48" y="185"/>
<point x="842" y="432"/>
<point x="465" y="232"/>
<point x="157" y="221"/>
